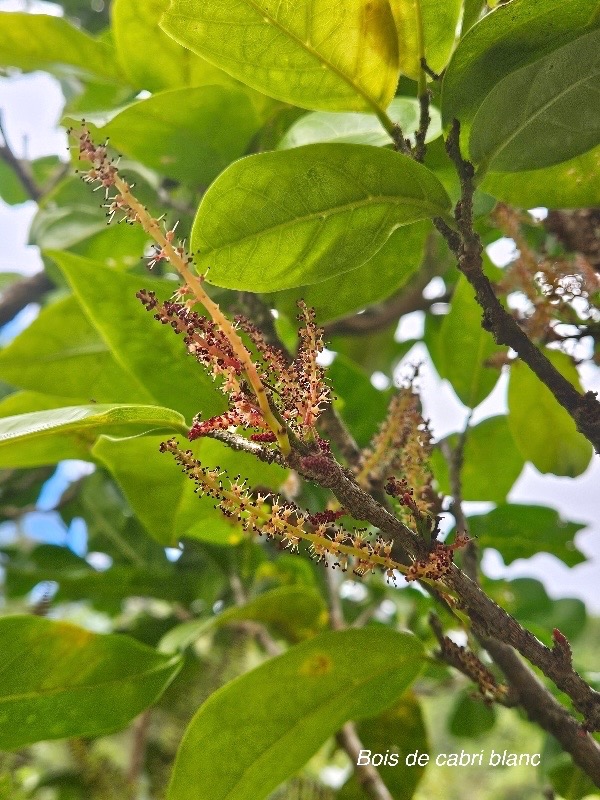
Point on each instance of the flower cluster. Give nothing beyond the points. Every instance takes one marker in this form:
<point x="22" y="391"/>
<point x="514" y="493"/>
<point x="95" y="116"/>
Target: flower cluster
<point x="471" y="665"/>
<point x="438" y="562"/>
<point x="288" y="524"/>
<point x="397" y="459"/>
<point x="214" y="339"/>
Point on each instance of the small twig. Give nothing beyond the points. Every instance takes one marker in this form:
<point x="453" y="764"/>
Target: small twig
<point x="366" y="774"/>
<point x="435" y="76"/>
<point x="20" y="294"/>
<point x="424" y="123"/>
<point x="19" y="166"/>
<point x="454" y="459"/>
<point x="138" y="750"/>
<point x="467" y="246"/>
<point x="336" y="613"/>
<point x="542" y="708"/>
<point x="332" y="425"/>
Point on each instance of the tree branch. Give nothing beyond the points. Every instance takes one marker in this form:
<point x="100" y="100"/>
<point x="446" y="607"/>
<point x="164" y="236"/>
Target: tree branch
<point x="487" y="618"/>
<point x="542" y="708"/>
<point x="366" y="774"/>
<point x="585" y="409"/>
<point x="21" y="293"/>
<point x="20" y="167"/>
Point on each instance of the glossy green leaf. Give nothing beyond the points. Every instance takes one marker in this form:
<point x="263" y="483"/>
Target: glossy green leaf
<point x="61" y="353"/>
<point x="37" y="41"/>
<point x="435" y="22"/>
<point x="465" y="346"/>
<point x="277" y="220"/>
<point x="543" y="431"/>
<point x="327" y="126"/>
<point x="527" y="600"/>
<point x="294" y="612"/>
<point x="572" y="184"/>
<point x="151" y="59"/>
<point x="520" y="531"/>
<point x="60" y="681"/>
<point x="567" y="780"/>
<point x="471" y="717"/>
<point x="285" y="709"/>
<point x="512" y="36"/>
<point x="399" y="730"/>
<point x="47" y="437"/>
<point x="341" y="57"/>
<point x="472" y="11"/>
<point x="382" y="275"/>
<point x="220" y="122"/>
<point x="378" y="352"/>
<point x="153" y="357"/>
<point x="491" y="462"/>
<point x="175" y="509"/>
<point x="555" y="119"/>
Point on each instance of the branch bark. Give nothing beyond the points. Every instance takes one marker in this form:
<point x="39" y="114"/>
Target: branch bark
<point x="466" y="244"/>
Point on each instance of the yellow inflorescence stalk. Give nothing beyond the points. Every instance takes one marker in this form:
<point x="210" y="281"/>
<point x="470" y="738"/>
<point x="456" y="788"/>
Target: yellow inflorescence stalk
<point x="180" y="262"/>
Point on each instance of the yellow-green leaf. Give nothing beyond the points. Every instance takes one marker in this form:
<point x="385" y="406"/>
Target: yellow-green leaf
<point x="284" y="710"/>
<point x="544" y="432"/>
<point x="317" y="55"/>
<point x="59" y="680"/>
<point x="435" y="22"/>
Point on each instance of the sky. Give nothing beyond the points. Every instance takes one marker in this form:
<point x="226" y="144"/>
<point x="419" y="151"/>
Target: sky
<point x="30" y="106"/>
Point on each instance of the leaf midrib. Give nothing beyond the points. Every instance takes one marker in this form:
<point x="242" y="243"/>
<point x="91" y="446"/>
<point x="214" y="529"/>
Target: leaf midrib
<point x="333" y="210"/>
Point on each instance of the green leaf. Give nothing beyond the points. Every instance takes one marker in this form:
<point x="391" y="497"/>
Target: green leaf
<point x="220" y="122"/>
<point x="555" y="120"/>
<point x="382" y="275"/>
<point x="47" y="437"/>
<point x="36" y="41"/>
<point x="436" y="22"/>
<point x="512" y="36"/>
<point x="61" y="353"/>
<point x="572" y="184"/>
<point x="78" y="581"/>
<point x="326" y="126"/>
<point x="471" y="717"/>
<point x="277" y="220"/>
<point x="399" y="730"/>
<point x="341" y="57"/>
<point x="138" y="39"/>
<point x="294" y="612"/>
<point x="491" y="462"/>
<point x="543" y="431"/>
<point x="567" y="780"/>
<point x="520" y="531"/>
<point x="154" y="358"/>
<point x="176" y="510"/>
<point x="285" y="709"/>
<point x="465" y="346"/>
<point x="471" y="14"/>
<point x="527" y="600"/>
<point x="355" y="395"/>
<point x="61" y="681"/>
<point x="69" y="217"/>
